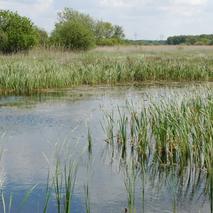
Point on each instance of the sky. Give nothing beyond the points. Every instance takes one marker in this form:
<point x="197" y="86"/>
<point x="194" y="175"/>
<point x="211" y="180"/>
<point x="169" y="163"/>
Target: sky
<point x="140" y="19"/>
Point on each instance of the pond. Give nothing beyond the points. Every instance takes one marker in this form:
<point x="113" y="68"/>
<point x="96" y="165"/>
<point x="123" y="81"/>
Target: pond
<point x="35" y="129"/>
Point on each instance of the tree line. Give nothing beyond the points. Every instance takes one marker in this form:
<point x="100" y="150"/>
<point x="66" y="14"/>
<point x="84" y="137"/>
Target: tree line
<point x="73" y="30"/>
<point x="191" y="40"/>
<point x="145" y="42"/>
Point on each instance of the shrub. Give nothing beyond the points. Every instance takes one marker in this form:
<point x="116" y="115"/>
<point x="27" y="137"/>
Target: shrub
<point x="74" y="31"/>
<point x="16" y="33"/>
<point x="3" y="39"/>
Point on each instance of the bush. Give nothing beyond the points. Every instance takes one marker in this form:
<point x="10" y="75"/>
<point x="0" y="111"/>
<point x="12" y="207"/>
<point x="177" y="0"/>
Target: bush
<point x="16" y="33"/>
<point x="74" y="31"/>
<point x="211" y="42"/>
<point x="73" y="35"/>
<point x="3" y="39"/>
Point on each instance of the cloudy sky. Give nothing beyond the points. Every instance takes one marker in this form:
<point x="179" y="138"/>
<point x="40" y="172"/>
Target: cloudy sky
<point x="141" y="19"/>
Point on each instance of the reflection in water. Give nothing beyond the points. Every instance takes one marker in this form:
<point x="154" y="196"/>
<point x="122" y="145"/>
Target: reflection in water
<point x="36" y="126"/>
<point x="167" y="143"/>
<point x="183" y="188"/>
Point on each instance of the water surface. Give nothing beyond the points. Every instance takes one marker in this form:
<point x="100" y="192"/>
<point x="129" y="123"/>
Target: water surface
<point x="32" y="128"/>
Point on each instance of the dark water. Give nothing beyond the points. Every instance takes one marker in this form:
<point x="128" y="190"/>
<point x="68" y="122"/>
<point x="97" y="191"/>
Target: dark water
<point x="33" y="128"/>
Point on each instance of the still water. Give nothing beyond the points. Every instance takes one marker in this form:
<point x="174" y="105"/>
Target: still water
<point x="33" y="128"/>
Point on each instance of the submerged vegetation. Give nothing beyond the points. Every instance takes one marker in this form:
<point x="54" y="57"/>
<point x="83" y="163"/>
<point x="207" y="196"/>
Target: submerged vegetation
<point x="40" y="70"/>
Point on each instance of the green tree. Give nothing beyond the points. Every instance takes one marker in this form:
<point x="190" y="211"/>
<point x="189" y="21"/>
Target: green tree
<point x="43" y="38"/>
<point x="74" y="30"/>
<point x="191" y="39"/>
<point x="107" y="34"/>
<point x="118" y="32"/>
<point x="16" y="33"/>
<point x="69" y="14"/>
<point x="104" y="30"/>
<point x="3" y="40"/>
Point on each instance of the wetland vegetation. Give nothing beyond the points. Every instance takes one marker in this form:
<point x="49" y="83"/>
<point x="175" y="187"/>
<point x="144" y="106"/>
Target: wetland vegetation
<point x="158" y="144"/>
<point x="41" y="70"/>
<point x="170" y="139"/>
<point x="137" y="136"/>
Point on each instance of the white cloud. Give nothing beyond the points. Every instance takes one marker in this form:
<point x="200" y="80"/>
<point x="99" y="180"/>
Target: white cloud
<point x="187" y="8"/>
<point x="148" y="18"/>
<point x="122" y="3"/>
<point x="42" y="5"/>
<point x="33" y="7"/>
<point x="179" y="4"/>
<point x="190" y="2"/>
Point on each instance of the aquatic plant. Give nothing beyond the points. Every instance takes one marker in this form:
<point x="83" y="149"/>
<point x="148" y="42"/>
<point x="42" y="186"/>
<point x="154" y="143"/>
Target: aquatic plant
<point x="130" y="177"/>
<point x="170" y="135"/>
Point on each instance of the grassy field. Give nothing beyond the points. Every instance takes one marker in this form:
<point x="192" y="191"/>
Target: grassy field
<point x="50" y="69"/>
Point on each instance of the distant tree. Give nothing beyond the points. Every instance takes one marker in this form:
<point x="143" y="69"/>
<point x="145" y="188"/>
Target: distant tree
<point x="74" y="35"/>
<point x="43" y="38"/>
<point x="74" y="30"/>
<point x="191" y="40"/>
<point x="118" y="32"/>
<point x="69" y="14"/>
<point x="107" y="34"/>
<point x="211" y="42"/>
<point x="104" y="30"/>
<point x="17" y="33"/>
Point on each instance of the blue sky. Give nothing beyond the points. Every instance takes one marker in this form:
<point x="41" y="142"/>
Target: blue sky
<point x="146" y="19"/>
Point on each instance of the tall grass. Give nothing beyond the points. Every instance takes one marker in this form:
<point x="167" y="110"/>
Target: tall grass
<point x="171" y="138"/>
<point x="130" y="177"/>
<point x="171" y="132"/>
<point x="20" y="74"/>
<point x="60" y="186"/>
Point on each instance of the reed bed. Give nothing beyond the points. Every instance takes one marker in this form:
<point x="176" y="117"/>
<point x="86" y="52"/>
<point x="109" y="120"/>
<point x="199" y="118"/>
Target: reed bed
<point x="170" y="131"/>
<point x="171" y="139"/>
<point x="43" y="70"/>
